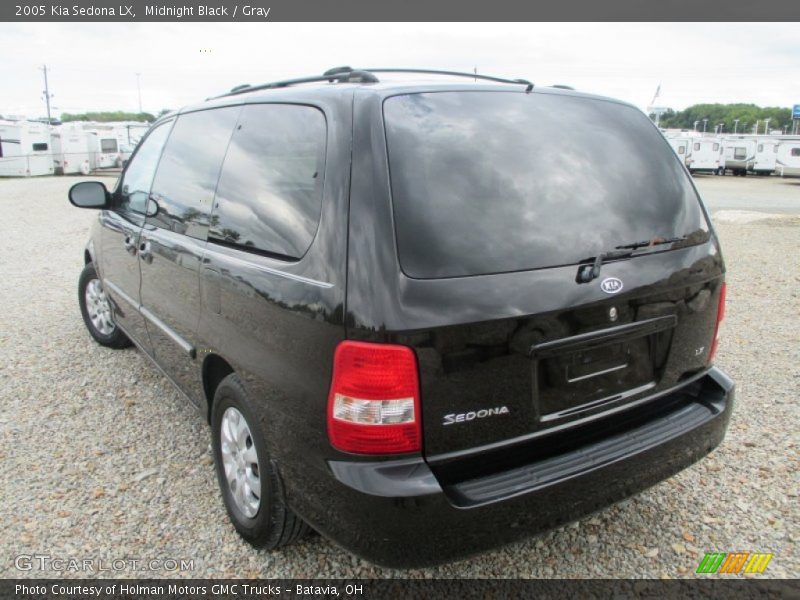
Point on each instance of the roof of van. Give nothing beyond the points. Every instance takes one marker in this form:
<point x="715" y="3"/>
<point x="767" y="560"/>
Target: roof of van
<point x="344" y="81"/>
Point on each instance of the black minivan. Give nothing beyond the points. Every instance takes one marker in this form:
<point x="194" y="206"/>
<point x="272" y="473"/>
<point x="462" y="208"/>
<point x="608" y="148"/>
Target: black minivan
<point x="424" y="318"/>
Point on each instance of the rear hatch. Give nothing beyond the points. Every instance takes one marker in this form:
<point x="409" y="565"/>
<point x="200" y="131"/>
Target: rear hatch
<point x="557" y="265"/>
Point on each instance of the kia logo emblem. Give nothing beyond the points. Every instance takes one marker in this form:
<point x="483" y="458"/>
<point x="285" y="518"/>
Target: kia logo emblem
<point x="611" y="285"/>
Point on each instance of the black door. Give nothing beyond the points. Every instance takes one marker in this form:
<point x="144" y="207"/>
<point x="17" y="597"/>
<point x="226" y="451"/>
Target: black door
<point x="172" y="241"/>
<point x="119" y="241"/>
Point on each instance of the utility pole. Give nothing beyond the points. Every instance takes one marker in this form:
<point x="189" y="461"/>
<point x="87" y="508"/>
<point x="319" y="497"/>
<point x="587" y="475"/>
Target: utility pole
<point x="766" y="126"/>
<point x="47" y="94"/>
<point x="735" y="125"/>
<point x="705" y="123"/>
<point x="139" y="90"/>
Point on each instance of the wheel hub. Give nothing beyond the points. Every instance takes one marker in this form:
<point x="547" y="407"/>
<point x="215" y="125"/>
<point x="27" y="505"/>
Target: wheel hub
<point x="240" y="462"/>
<point x="99" y="308"/>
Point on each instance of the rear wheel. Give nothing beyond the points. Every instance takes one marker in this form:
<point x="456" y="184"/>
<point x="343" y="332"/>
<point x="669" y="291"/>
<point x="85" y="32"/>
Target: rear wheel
<point x="96" y="310"/>
<point x="249" y="481"/>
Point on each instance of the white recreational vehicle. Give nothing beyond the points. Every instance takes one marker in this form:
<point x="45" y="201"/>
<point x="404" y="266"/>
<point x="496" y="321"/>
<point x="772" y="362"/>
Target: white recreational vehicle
<point x="680" y="145"/>
<point x="705" y="155"/>
<point x="787" y="158"/>
<point x="106" y="149"/>
<point x="739" y="151"/>
<point x="73" y="150"/>
<point x="25" y="149"/>
<point x="763" y="162"/>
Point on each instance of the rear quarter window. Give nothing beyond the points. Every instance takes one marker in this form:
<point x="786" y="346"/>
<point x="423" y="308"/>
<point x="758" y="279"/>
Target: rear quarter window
<point x="269" y="196"/>
<point x="489" y="182"/>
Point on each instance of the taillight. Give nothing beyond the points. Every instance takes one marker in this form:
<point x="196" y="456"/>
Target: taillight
<point x="720" y="315"/>
<point x="373" y="405"/>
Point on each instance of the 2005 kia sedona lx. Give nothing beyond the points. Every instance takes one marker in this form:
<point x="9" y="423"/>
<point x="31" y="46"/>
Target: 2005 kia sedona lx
<point x="424" y="319"/>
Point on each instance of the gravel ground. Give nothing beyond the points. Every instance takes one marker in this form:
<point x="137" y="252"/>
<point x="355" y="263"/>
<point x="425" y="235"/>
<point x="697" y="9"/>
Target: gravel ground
<point x="101" y="458"/>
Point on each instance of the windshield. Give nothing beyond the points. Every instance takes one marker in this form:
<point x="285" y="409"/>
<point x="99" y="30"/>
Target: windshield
<point x="490" y="182"/>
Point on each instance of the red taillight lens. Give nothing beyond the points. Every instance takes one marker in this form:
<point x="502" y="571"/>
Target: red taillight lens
<point x="720" y="316"/>
<point x="373" y="405"/>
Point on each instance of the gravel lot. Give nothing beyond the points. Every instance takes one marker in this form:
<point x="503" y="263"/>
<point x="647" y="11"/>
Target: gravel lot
<point x="101" y="458"/>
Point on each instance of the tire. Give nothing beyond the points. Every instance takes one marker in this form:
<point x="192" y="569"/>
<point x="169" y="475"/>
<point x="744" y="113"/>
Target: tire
<point x="96" y="310"/>
<point x="263" y="520"/>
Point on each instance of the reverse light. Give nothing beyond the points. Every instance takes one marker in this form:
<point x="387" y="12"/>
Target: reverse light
<point x="373" y="404"/>
<point x="720" y="316"/>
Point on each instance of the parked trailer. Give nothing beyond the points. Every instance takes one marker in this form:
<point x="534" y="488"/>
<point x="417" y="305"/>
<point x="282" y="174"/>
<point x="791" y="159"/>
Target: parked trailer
<point x="787" y="158"/>
<point x="105" y="148"/>
<point x="763" y="162"/>
<point x="72" y="150"/>
<point x="738" y="154"/>
<point x="25" y="149"/>
<point x="681" y="146"/>
<point x="705" y="155"/>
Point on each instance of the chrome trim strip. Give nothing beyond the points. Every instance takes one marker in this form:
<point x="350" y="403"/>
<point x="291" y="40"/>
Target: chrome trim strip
<point x="115" y="288"/>
<point x="166" y="329"/>
<point x="266" y="269"/>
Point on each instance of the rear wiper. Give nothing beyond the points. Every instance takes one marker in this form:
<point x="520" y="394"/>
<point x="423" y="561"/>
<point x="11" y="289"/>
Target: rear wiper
<point x="653" y="242"/>
<point x="588" y="272"/>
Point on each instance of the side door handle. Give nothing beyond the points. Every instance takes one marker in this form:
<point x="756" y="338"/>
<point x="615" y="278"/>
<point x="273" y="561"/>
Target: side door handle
<point x="130" y="245"/>
<point x="145" y="252"/>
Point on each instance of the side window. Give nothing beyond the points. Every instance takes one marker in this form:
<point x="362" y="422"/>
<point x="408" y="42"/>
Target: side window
<point x="716" y="147"/>
<point x="189" y="169"/>
<point x="269" y="196"/>
<point x="697" y="146"/>
<point x="761" y="147"/>
<point x="681" y="149"/>
<point x="135" y="187"/>
<point x="39" y="147"/>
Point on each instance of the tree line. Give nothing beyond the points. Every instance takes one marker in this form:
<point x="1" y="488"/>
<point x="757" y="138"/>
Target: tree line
<point x="727" y="114"/>
<point x="117" y="115"/>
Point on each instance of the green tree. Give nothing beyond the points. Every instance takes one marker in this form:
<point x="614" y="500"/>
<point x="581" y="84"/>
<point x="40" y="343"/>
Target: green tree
<point x="104" y="117"/>
<point x="747" y="115"/>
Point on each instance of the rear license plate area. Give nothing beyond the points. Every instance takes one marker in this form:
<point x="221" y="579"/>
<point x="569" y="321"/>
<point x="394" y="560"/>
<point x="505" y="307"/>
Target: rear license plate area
<point x="585" y="372"/>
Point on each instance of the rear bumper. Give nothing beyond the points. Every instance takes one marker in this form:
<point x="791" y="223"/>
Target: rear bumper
<point x="397" y="513"/>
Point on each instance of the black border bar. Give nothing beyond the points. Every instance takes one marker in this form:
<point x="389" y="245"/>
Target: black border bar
<point x="708" y="588"/>
<point x="399" y="10"/>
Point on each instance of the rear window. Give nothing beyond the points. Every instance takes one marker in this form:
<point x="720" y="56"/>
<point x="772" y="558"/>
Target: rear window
<point x="39" y="147"/>
<point x="740" y="153"/>
<point x="108" y="145"/>
<point x="795" y="151"/>
<point x="489" y="182"/>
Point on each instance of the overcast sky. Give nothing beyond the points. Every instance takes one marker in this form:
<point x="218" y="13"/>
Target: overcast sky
<point x="94" y="66"/>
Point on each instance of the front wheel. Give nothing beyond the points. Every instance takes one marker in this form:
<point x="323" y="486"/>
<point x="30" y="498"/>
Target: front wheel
<point x="249" y="481"/>
<point x="96" y="310"/>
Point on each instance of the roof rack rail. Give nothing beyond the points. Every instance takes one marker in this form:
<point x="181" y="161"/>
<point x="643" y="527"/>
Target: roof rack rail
<point x="339" y="75"/>
<point x="528" y="85"/>
<point x="346" y="74"/>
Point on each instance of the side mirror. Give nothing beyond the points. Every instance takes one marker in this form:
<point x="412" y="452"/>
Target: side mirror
<point x="89" y="194"/>
<point x="151" y="209"/>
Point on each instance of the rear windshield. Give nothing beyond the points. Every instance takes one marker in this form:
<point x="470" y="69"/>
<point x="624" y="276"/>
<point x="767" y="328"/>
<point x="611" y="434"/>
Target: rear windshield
<point x="490" y="182"/>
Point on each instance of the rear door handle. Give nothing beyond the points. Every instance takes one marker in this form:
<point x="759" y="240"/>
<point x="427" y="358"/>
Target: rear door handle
<point x="130" y="244"/>
<point x="145" y="253"/>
